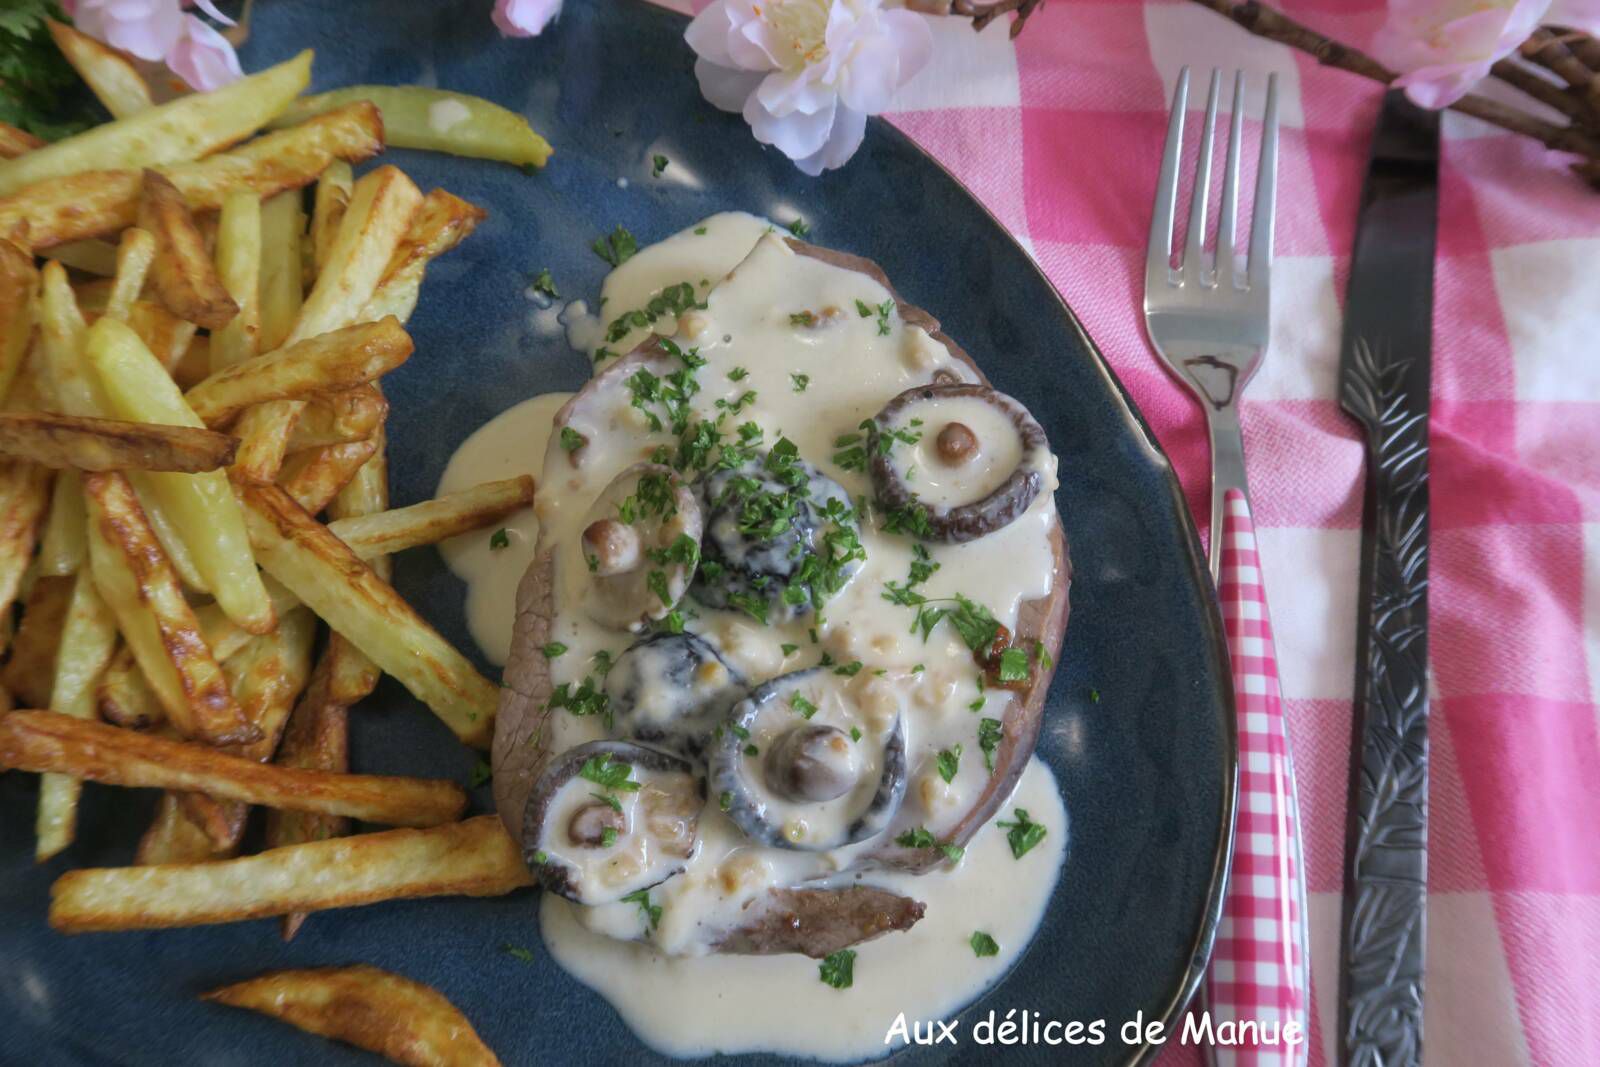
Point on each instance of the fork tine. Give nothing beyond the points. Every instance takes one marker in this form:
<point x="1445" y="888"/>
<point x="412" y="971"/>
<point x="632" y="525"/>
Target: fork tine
<point x="1228" y="211"/>
<point x="1194" y="257"/>
<point x="1158" y="257"/>
<point x="1263" y="214"/>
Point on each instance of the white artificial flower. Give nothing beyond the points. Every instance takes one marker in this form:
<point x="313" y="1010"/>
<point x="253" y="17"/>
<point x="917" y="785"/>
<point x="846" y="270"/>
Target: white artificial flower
<point x="806" y="73"/>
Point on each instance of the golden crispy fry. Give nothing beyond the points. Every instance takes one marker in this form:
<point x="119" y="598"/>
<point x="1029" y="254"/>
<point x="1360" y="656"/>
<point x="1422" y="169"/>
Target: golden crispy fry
<point x="239" y="266"/>
<point x="87" y="637"/>
<point x="62" y="546"/>
<point x="166" y="336"/>
<point x="442" y="222"/>
<point x="283" y="224"/>
<point x="333" y="197"/>
<point x="32" y="665"/>
<point x="202" y="505"/>
<point x="73" y="387"/>
<point x="314" y="477"/>
<point x="317" y="737"/>
<point x="19" y="294"/>
<point x="136" y="252"/>
<point x="124" y="698"/>
<point x="403" y="1021"/>
<point x="330" y="362"/>
<point x="24" y="491"/>
<point x="167" y="532"/>
<point x="138" y="583"/>
<point x="96" y="752"/>
<point x="174" y="838"/>
<point x="185" y="279"/>
<point x="472" y="858"/>
<point x="194" y="363"/>
<point x="91" y="255"/>
<point x="328" y="578"/>
<point x="185" y="128"/>
<point x="111" y="444"/>
<point x="380" y="210"/>
<point x="102" y="202"/>
<point x="110" y="77"/>
<point x="349" y="415"/>
<point x="15" y="142"/>
<point x="352" y="675"/>
<point x="433" y="521"/>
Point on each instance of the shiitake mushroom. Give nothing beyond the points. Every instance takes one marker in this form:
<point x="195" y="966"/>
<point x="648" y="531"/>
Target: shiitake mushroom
<point x="640" y="543"/>
<point x="670" y="690"/>
<point x="977" y="456"/>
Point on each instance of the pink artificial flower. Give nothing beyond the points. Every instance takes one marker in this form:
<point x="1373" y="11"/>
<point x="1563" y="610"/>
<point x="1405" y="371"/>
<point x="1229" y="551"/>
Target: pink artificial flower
<point x="203" y="57"/>
<point x="806" y="73"/>
<point x="524" y="18"/>
<point x="209" y="8"/>
<point x="144" y="28"/>
<point x="1443" y="48"/>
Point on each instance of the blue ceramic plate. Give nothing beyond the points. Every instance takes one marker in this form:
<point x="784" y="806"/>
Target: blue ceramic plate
<point x="1138" y="724"/>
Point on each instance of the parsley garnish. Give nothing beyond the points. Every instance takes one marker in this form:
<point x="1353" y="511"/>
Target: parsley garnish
<point x="800" y="704"/>
<point x="651" y="912"/>
<point x="883" y="310"/>
<point x="657" y="165"/>
<point x="848" y="670"/>
<point x="618" y="248"/>
<point x="608" y="836"/>
<point x="1094" y="696"/>
<point x="543" y="283"/>
<point x="855" y="733"/>
<point x="799" y="228"/>
<point x="1013" y="665"/>
<point x="983" y="945"/>
<point x="587" y="699"/>
<point x="800" y="381"/>
<point x="517" y="952"/>
<point x="725" y="801"/>
<point x="738" y="374"/>
<point x="989" y="733"/>
<point x="571" y="440"/>
<point x="43" y="94"/>
<point x="788" y="649"/>
<point x="677" y="299"/>
<point x="1045" y="661"/>
<point x="922" y="838"/>
<point x="699" y="231"/>
<point x="751" y="605"/>
<point x="552" y="649"/>
<point x="949" y="761"/>
<point x="478" y="775"/>
<point x="1022" y="834"/>
<point x="803" y="318"/>
<point x="608" y="772"/>
<point x="501" y="538"/>
<point x="839" y="969"/>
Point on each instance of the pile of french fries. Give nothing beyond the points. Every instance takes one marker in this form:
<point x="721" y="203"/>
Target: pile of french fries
<point x="190" y="375"/>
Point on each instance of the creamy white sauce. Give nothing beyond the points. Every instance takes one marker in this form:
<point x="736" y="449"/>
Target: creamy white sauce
<point x="939" y="482"/>
<point x="774" y="322"/>
<point x="511" y="443"/>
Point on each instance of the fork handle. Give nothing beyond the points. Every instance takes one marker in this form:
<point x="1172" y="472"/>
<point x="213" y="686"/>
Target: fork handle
<point x="1258" y="969"/>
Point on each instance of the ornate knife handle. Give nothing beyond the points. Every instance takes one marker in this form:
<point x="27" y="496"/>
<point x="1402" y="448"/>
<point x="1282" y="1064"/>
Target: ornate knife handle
<point x="1387" y="838"/>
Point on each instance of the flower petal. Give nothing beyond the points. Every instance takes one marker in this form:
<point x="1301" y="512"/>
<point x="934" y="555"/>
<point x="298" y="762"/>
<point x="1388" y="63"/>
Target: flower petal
<point x="203" y="58"/>
<point x="523" y="18"/>
<point x="843" y="140"/>
<point x="726" y="87"/>
<point x="209" y="8"/>
<point x="796" y="135"/>
<point x="147" y="29"/>
<point x="708" y="34"/>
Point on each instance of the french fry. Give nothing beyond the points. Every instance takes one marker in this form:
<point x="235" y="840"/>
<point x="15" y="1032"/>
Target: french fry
<point x="91" y="255"/>
<point x="102" y="202"/>
<point x="282" y="225"/>
<point x="163" y="333"/>
<point x="202" y="505"/>
<point x="471" y="858"/>
<point x="330" y="362"/>
<point x="442" y="222"/>
<point x="88" y="636"/>
<point x="167" y="532"/>
<point x="110" y="77"/>
<point x="314" y="477"/>
<point x="194" y="364"/>
<point x="47" y="741"/>
<point x="432" y="521"/>
<point x="317" y="737"/>
<point x="239" y="267"/>
<point x="380" y="210"/>
<point x="73" y="387"/>
<point x="327" y="211"/>
<point x="139" y="585"/>
<point x="328" y="578"/>
<point x="136" y="252"/>
<point x="185" y="128"/>
<point x="185" y="279"/>
<point x="110" y="444"/>
<point x="15" y="142"/>
<point x="19" y="294"/>
<point x="62" y="546"/>
<point x="351" y="673"/>
<point x="223" y="636"/>
<point x="403" y="1021"/>
<point x="124" y="698"/>
<point x="174" y="838"/>
<point x="32" y="665"/>
<point x="24" y="492"/>
<point x="335" y="418"/>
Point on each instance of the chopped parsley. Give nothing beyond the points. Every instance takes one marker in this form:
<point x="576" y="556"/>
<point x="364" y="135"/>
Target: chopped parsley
<point x="800" y="381"/>
<point x="949" y="761"/>
<point x="552" y="649"/>
<point x="501" y="538"/>
<point x="543" y="283"/>
<point x="855" y="733"/>
<point x="801" y="229"/>
<point x="479" y="774"/>
<point x="608" y="772"/>
<point x="672" y="622"/>
<point x="910" y="519"/>
<point x="676" y="299"/>
<point x="733" y="407"/>
<point x="788" y="649"/>
<point x="609" y="800"/>
<point x="651" y="912"/>
<point x="571" y="440"/>
<point x="881" y="311"/>
<point x="725" y="801"/>
<point x="618" y="248"/>
<point x="803" y="318"/>
<point x="657" y="582"/>
<point x="657" y="165"/>
<point x="800" y="704"/>
<point x="1094" y="696"/>
<point x="517" y="952"/>
<point x="699" y="231"/>
<point x="608" y="836"/>
<point x="922" y="838"/>
<point x="586" y="699"/>
<point x="983" y="945"/>
<point x="751" y="605"/>
<point x="1043" y="654"/>
<point x="839" y="969"/>
<point x="1022" y="834"/>
<point x="738" y="374"/>
<point x="989" y="733"/>
<point x="1014" y="665"/>
<point x="922" y="568"/>
<point x="848" y="670"/>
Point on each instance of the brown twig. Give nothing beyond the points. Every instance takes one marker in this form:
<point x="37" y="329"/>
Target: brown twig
<point x="1550" y="50"/>
<point x="1273" y="25"/>
<point x="981" y="12"/>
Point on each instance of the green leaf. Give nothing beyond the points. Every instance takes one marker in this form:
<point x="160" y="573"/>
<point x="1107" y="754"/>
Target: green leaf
<point x="552" y="649"/>
<point x="657" y="165"/>
<point x="618" y="248"/>
<point x="989" y="733"/>
<point x="1022" y="834"/>
<point x="543" y="283"/>
<point x="1013" y="665"/>
<point x="517" y="952"/>
<point x="652" y="912"/>
<point x="799" y="228"/>
<point x="501" y="538"/>
<point x="949" y="761"/>
<point x="571" y="440"/>
<point x="839" y="969"/>
<point x="800" y="704"/>
<point x="608" y="772"/>
<point x="983" y="945"/>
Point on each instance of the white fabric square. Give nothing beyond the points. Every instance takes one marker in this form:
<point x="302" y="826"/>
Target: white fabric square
<point x="1302" y="361"/>
<point x="1467" y="973"/>
<point x="1186" y="34"/>
<point x="1311" y="582"/>
<point x="966" y="70"/>
<point x="1545" y="290"/>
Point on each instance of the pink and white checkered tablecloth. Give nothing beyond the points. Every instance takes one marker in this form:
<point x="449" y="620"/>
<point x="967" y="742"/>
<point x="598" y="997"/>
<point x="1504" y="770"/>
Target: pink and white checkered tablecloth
<point x="1060" y="134"/>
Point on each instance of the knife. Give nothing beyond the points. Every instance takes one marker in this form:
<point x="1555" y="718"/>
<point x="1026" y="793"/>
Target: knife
<point x="1385" y="371"/>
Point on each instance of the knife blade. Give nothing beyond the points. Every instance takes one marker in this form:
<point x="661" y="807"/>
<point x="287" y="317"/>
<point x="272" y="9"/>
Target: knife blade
<point x="1385" y="376"/>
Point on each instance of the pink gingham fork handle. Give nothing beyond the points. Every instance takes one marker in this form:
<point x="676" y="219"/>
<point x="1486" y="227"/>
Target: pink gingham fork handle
<point x="1258" y="967"/>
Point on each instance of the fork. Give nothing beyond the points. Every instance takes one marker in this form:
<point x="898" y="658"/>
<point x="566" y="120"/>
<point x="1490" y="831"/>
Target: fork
<point x="1209" y="325"/>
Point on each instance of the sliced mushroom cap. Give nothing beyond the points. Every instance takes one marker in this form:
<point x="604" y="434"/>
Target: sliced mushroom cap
<point x="971" y="458"/>
<point x="609" y="818"/>
<point x="801" y="765"/>
<point x="781" y="537"/>
<point x="640" y="544"/>
<point x="670" y="690"/>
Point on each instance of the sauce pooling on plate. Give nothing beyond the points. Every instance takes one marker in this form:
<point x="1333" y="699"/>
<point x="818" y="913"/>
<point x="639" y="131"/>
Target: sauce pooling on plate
<point x="821" y="672"/>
